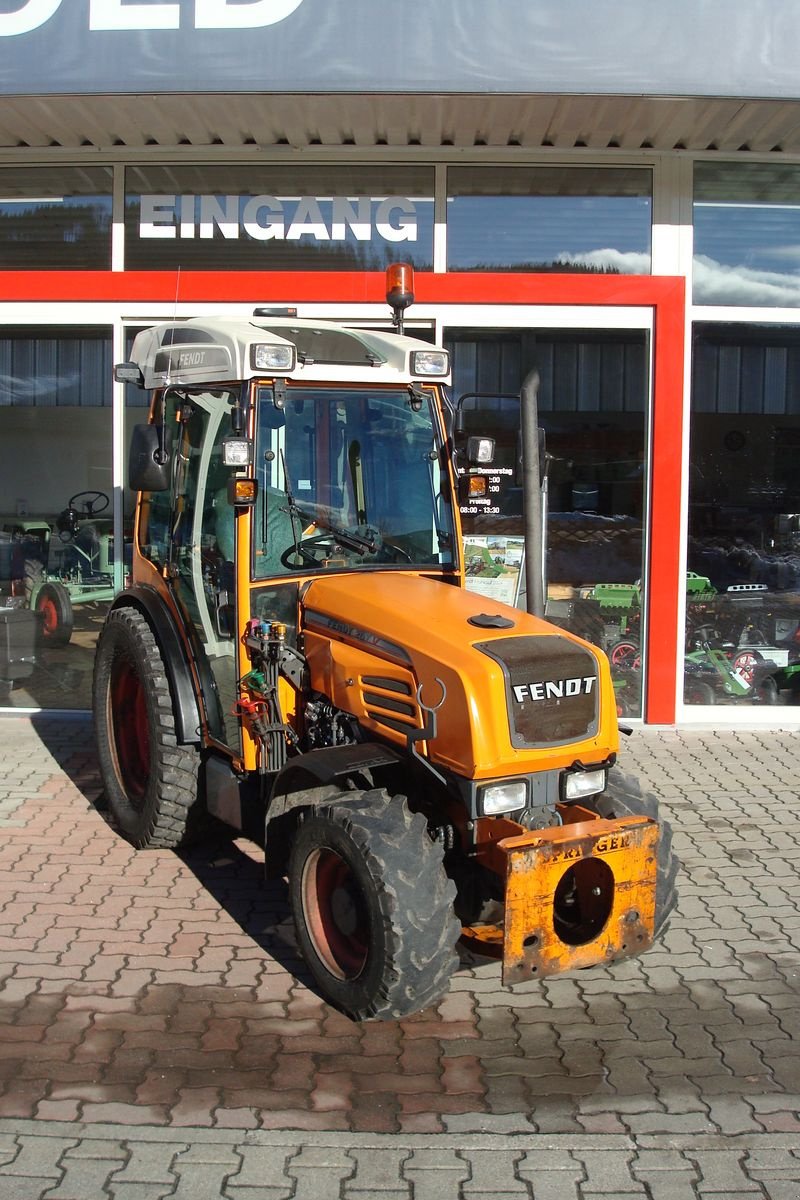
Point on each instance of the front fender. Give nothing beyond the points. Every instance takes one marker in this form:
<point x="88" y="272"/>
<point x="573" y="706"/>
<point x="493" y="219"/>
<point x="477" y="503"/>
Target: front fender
<point x="310" y="780"/>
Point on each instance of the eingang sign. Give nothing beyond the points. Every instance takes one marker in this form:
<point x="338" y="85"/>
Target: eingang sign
<point x="267" y="218"/>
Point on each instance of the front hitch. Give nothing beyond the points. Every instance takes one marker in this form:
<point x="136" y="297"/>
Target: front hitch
<point x="577" y="895"/>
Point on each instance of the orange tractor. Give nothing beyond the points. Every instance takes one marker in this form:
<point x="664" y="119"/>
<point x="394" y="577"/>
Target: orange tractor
<point x="297" y="656"/>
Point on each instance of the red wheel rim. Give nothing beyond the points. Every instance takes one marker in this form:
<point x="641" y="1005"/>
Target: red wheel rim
<point x="49" y="614"/>
<point x="745" y="664"/>
<point x="626" y="654"/>
<point x="335" y="915"/>
<point x="129" y="727"/>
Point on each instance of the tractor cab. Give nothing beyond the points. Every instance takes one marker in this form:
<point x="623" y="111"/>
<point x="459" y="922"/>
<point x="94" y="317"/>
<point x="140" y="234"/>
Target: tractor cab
<point x="333" y="437"/>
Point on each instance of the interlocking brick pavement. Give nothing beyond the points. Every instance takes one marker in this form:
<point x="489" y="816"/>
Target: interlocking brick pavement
<point x="158" y="1032"/>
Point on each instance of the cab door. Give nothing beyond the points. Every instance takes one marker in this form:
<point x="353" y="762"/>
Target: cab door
<point x="201" y="551"/>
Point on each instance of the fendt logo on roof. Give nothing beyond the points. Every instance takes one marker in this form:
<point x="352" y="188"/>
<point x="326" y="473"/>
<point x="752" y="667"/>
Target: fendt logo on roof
<point x="116" y="14"/>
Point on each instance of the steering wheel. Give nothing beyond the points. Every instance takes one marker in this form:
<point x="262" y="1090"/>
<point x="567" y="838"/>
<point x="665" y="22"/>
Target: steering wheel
<point x="91" y="503"/>
<point x="310" y="552"/>
<point x="397" y="552"/>
<point x="67" y="521"/>
<point x="313" y="551"/>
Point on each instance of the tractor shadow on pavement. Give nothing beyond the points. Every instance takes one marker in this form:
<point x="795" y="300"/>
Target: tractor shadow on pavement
<point x="232" y="872"/>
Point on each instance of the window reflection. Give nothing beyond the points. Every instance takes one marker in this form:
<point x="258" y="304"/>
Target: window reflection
<point x="586" y="219"/>
<point x="56" y="531"/>
<point x="278" y="218"/>
<point x="747" y="234"/>
<point x="54" y="217"/>
<point x="593" y="405"/>
<point x="743" y="587"/>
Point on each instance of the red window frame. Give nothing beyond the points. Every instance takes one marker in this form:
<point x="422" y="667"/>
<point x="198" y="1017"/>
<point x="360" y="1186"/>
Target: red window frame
<point x="666" y="296"/>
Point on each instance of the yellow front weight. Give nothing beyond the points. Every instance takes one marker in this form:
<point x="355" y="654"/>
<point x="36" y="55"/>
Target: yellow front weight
<point x="578" y="895"/>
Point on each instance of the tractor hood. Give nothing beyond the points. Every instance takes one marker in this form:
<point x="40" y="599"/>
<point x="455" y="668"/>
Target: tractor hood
<point x="512" y="693"/>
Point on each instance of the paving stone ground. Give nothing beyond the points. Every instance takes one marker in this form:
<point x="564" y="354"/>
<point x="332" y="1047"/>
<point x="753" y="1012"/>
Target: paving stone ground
<point x="159" y="1036"/>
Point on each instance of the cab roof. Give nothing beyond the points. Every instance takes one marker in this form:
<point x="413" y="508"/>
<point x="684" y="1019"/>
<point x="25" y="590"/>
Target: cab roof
<point x="221" y="349"/>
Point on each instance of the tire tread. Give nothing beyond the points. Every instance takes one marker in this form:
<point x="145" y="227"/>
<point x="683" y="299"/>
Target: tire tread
<point x="416" y="900"/>
<point x="173" y="802"/>
<point x="624" y="797"/>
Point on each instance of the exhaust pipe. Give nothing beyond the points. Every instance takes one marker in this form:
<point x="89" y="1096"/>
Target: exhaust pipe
<point x="532" y="494"/>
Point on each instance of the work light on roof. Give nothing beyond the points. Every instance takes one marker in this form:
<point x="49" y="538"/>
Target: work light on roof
<point x="270" y="356"/>
<point x="430" y="362"/>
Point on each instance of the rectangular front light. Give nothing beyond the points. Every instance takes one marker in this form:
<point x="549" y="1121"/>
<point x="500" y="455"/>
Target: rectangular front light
<point x="269" y="357"/>
<point x="236" y="452"/>
<point x="480" y="451"/>
<point x="430" y="362"/>
<point x="584" y="783"/>
<point x="503" y="797"/>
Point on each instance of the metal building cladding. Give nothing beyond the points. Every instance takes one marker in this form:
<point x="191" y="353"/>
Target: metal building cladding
<point x="580" y="188"/>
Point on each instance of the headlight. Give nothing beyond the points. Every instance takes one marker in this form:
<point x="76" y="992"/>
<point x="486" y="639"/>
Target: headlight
<point x="584" y="783"/>
<point x="236" y="452"/>
<point x="430" y="362"/>
<point x="270" y="357"/>
<point x="480" y="451"/>
<point x="503" y="797"/>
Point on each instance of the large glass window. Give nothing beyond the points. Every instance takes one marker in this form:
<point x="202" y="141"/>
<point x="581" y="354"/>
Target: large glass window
<point x="56" y="531"/>
<point x="747" y="234"/>
<point x="55" y="217"/>
<point x="359" y="485"/>
<point x="743" y="586"/>
<point x="593" y="406"/>
<point x="589" y="219"/>
<point x="256" y="218"/>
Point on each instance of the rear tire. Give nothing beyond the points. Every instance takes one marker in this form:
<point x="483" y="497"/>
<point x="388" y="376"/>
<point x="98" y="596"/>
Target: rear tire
<point x="54" y="607"/>
<point x="151" y="782"/>
<point x="34" y="577"/>
<point x="372" y="905"/>
<point x="624" y="798"/>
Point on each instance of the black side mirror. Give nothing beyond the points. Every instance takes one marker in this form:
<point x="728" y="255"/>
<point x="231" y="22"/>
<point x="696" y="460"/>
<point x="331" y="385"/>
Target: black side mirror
<point x="129" y="372"/>
<point x="149" y="459"/>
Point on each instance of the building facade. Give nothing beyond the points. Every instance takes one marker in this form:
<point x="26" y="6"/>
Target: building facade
<point x="582" y="190"/>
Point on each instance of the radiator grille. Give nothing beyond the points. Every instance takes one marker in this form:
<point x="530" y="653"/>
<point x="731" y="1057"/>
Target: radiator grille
<point x="552" y="689"/>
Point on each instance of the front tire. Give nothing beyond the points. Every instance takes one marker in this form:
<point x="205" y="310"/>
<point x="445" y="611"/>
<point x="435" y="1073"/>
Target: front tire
<point x="624" y="798"/>
<point x="151" y="782"/>
<point x="372" y="905"/>
<point x="54" y="607"/>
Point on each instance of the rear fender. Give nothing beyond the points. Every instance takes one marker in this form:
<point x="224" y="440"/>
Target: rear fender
<point x="188" y="722"/>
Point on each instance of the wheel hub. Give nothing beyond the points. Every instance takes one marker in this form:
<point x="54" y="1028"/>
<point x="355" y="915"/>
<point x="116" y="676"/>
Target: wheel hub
<point x="335" y="914"/>
<point x="343" y="911"/>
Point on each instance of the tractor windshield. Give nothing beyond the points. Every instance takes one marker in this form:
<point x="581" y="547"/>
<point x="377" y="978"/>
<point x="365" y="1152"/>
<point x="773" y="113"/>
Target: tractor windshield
<point x="348" y="478"/>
